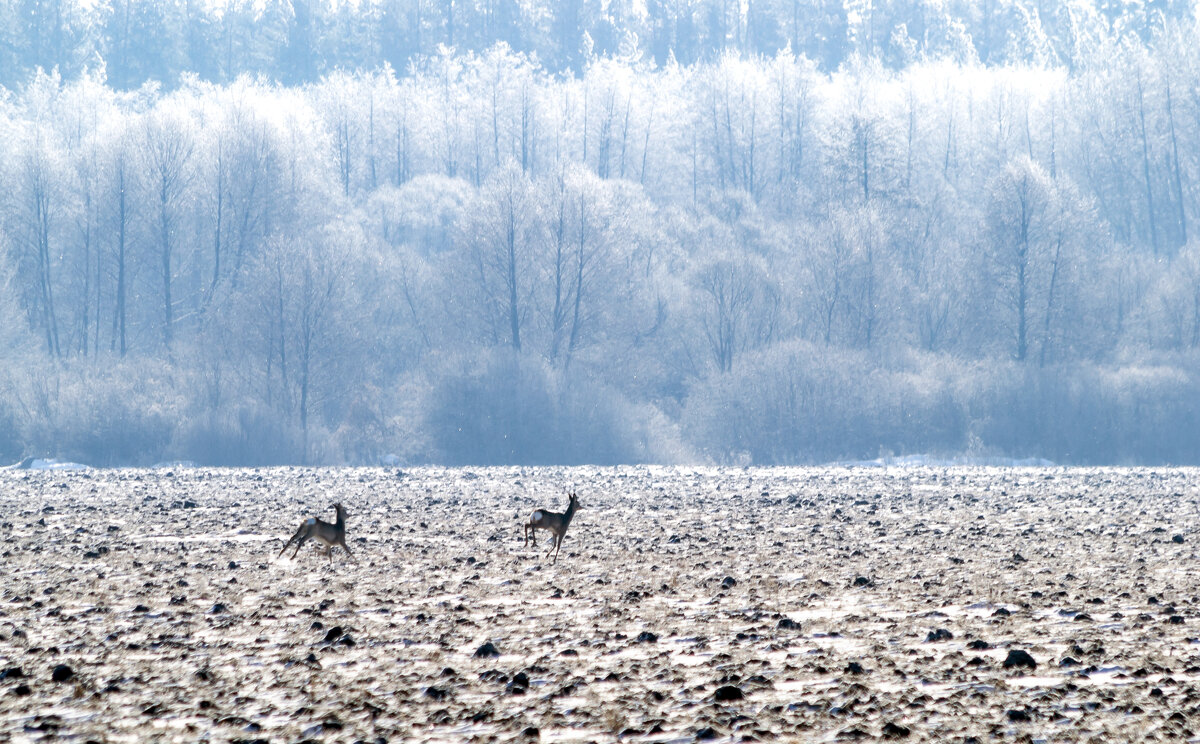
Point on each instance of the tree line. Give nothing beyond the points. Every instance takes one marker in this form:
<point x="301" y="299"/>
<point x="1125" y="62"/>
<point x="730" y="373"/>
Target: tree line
<point x="299" y="41"/>
<point x="746" y="259"/>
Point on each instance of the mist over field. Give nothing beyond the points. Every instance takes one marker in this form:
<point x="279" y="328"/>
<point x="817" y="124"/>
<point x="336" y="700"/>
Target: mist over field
<point x="547" y="232"/>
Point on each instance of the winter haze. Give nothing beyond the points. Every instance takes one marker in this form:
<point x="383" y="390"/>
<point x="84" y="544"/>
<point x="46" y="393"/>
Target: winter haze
<point x="574" y="231"/>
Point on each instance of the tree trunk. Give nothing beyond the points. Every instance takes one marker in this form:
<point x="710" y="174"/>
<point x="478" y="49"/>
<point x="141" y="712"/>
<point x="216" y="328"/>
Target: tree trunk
<point x="1146" y="167"/>
<point x="1177" y="177"/>
<point x="122" y="224"/>
<point x="514" y="314"/>
<point x="164" y="225"/>
<point x="220" y="215"/>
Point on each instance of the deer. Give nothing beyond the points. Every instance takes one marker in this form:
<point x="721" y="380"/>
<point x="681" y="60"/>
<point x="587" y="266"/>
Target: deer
<point x="541" y="519"/>
<point x="325" y="533"/>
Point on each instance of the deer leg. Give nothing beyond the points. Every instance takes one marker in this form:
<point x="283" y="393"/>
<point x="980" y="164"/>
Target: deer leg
<point x="329" y="553"/>
<point x="553" y="545"/>
<point x="299" y="543"/>
<point x="291" y="540"/>
<point x="346" y="548"/>
<point x="525" y="530"/>
<point x="558" y="546"/>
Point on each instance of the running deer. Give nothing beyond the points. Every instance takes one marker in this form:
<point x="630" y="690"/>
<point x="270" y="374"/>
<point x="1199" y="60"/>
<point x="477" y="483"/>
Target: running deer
<point x="554" y="522"/>
<point x="325" y="533"/>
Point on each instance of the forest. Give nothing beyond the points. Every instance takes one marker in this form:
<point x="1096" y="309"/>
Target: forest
<point x="527" y="232"/>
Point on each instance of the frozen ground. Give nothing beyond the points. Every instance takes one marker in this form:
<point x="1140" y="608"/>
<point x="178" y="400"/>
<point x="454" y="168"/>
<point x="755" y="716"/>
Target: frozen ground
<point x="736" y="604"/>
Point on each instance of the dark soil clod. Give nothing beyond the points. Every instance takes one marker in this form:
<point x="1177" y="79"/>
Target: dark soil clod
<point x="487" y="650"/>
<point x="1017" y="658"/>
<point x="727" y="693"/>
<point x="894" y="731"/>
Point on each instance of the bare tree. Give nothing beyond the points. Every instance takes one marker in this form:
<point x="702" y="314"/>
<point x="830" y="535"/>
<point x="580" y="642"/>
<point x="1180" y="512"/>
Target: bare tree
<point x="168" y="149"/>
<point x="583" y="224"/>
<point x="303" y="338"/>
<point x="121" y="215"/>
<point x="740" y="308"/>
<point x="249" y="155"/>
<point x="39" y="197"/>
<point x="840" y="261"/>
<point x="501" y="237"/>
<point x="1031" y="233"/>
<point x="336" y="99"/>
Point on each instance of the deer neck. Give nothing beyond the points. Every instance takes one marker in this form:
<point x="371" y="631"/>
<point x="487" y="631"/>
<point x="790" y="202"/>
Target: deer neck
<point x="570" y="512"/>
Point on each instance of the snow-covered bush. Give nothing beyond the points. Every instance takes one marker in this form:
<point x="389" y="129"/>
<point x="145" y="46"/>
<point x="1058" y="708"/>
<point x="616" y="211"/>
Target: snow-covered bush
<point x="804" y="402"/>
<point x="116" y="415"/>
<point x="498" y="407"/>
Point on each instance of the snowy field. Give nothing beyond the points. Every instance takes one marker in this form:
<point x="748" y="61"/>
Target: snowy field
<point x="725" y="604"/>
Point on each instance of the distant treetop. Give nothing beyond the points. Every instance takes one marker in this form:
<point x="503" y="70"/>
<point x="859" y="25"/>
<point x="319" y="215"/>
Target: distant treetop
<point x="298" y="41"/>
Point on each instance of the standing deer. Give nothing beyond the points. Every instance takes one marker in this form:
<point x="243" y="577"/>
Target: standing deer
<point x="554" y="522"/>
<point x="325" y="533"/>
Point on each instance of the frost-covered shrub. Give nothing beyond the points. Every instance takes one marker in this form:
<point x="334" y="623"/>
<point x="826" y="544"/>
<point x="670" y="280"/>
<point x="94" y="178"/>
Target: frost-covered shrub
<point x="1155" y="413"/>
<point x="117" y="415"/>
<point x="11" y="446"/>
<point x="1085" y="414"/>
<point x="799" y="402"/>
<point x="245" y="433"/>
<point x="142" y="411"/>
<point x="502" y="408"/>
<point x="804" y="403"/>
<point x="381" y="426"/>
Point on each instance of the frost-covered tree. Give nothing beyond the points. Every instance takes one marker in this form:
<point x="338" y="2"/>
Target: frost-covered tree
<point x="698" y="205"/>
<point x="739" y="308"/>
<point x="168" y="153"/>
<point x="1034" y="230"/>
<point x="501" y="235"/>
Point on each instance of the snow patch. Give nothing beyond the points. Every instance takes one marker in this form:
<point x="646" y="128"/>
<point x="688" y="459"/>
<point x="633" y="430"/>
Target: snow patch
<point x="929" y="461"/>
<point x="33" y="463"/>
